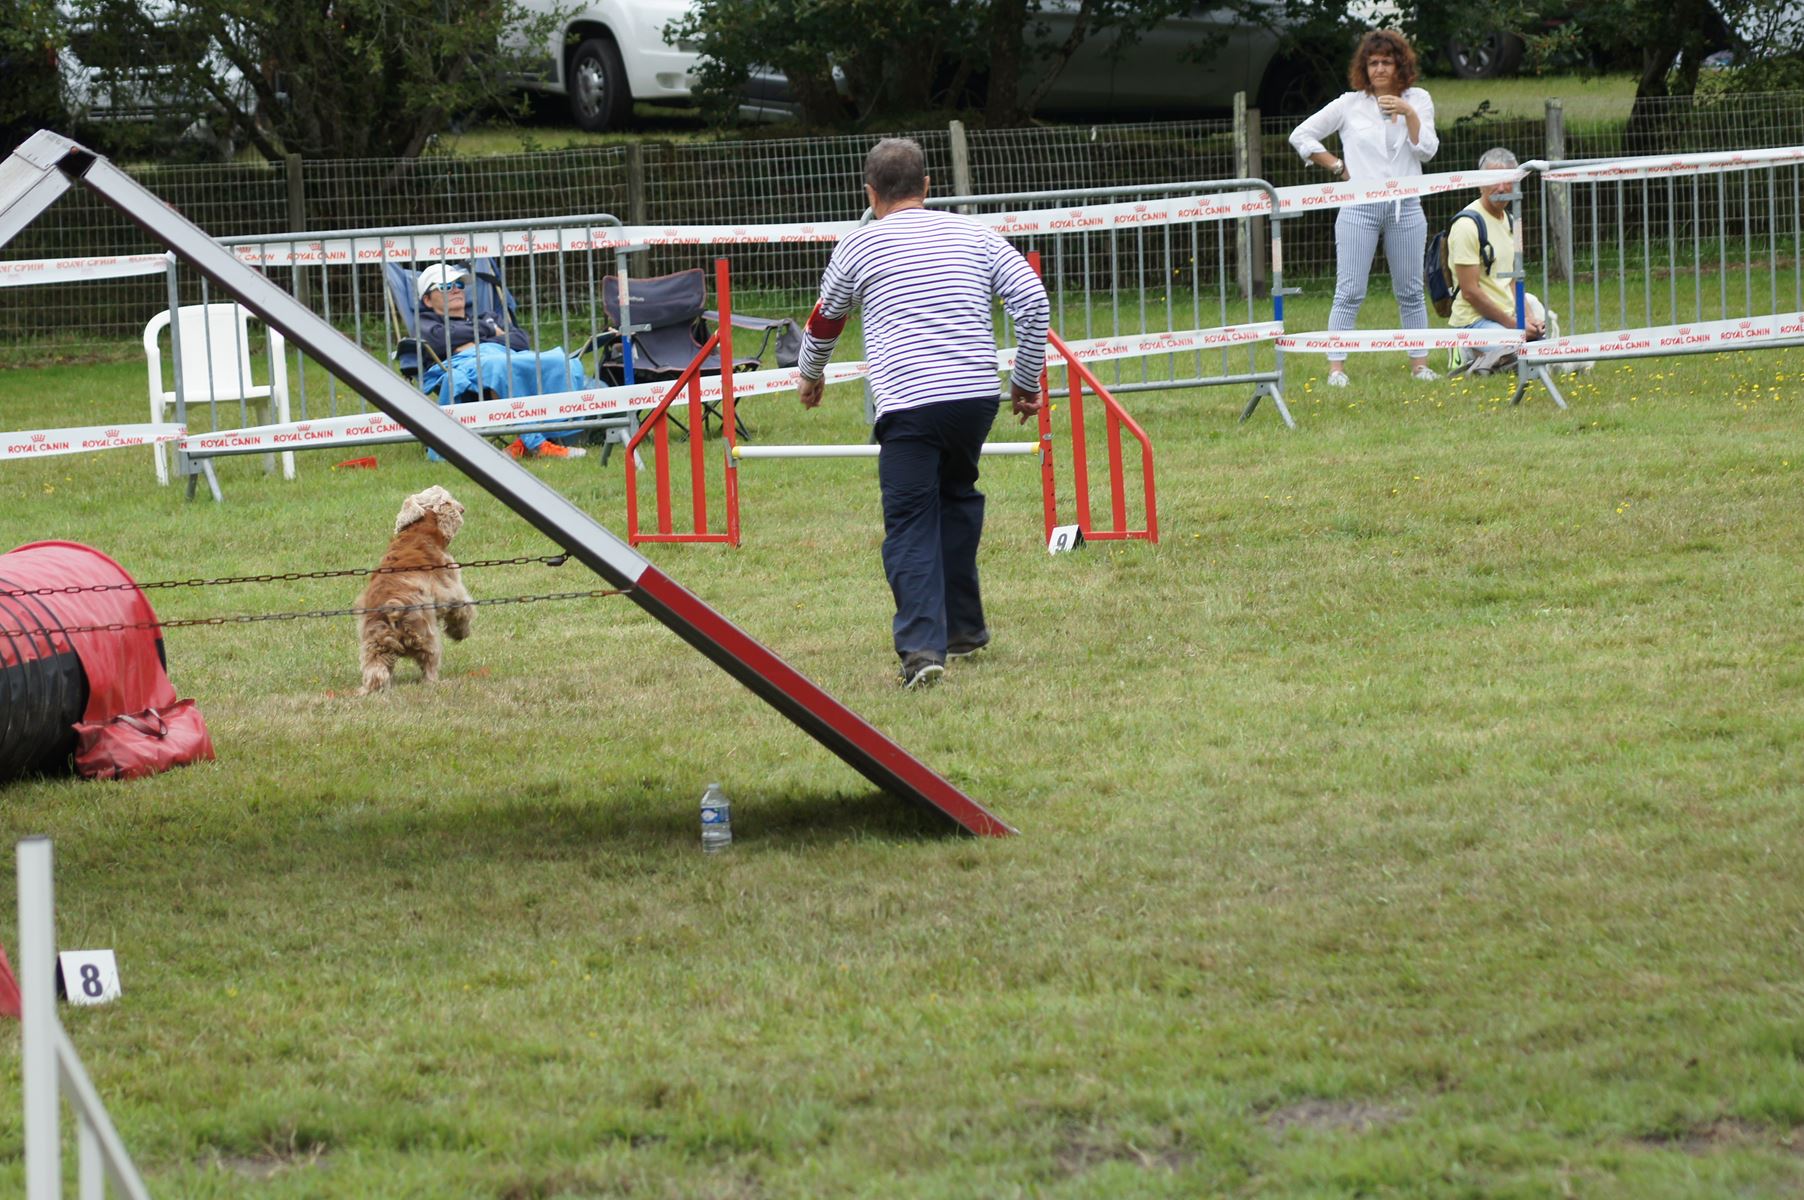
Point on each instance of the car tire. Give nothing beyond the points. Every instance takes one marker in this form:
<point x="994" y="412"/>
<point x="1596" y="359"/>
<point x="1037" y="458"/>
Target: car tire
<point x="599" y="97"/>
<point x="1492" y="56"/>
<point x="1293" y="88"/>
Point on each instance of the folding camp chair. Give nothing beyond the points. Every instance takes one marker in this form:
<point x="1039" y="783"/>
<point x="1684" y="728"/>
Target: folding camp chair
<point x="671" y="324"/>
<point x="412" y="354"/>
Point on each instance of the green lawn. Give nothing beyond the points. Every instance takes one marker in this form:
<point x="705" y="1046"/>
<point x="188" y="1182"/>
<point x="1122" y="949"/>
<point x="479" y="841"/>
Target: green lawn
<point x="1420" y="817"/>
<point x="1586" y="98"/>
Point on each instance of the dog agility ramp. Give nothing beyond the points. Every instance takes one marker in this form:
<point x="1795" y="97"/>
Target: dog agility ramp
<point x="46" y="165"/>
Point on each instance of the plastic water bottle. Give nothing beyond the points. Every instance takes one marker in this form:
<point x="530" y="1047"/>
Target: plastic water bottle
<point x="717" y="820"/>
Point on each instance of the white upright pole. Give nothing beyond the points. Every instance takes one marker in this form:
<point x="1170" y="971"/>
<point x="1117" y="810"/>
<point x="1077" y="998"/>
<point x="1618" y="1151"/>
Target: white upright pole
<point x="38" y="1022"/>
<point x="91" y="1175"/>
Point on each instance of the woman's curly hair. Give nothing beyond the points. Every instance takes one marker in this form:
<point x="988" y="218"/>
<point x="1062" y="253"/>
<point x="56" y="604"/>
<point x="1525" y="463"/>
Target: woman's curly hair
<point x="1382" y="41"/>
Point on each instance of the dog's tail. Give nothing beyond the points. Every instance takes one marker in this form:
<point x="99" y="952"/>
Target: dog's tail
<point x="386" y="630"/>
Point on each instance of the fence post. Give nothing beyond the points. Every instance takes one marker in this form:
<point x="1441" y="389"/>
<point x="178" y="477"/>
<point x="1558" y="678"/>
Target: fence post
<point x="961" y="159"/>
<point x="635" y="184"/>
<point x="1247" y="271"/>
<point x="1557" y="198"/>
<point x="297" y="219"/>
<point x="39" y="1025"/>
<point x="1255" y="169"/>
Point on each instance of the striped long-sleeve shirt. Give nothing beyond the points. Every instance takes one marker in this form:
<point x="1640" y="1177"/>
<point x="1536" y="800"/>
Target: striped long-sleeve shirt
<point x="925" y="279"/>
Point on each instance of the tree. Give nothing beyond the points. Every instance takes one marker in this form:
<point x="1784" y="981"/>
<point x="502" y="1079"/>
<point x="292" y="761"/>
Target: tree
<point x="333" y="78"/>
<point x="843" y="58"/>
<point x="899" y="57"/>
<point x="30" y="89"/>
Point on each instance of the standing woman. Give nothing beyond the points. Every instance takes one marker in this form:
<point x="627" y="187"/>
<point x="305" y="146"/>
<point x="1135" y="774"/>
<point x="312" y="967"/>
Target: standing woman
<point x="1386" y="129"/>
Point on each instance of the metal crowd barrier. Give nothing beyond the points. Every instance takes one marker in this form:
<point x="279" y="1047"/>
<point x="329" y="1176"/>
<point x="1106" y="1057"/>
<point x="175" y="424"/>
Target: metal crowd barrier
<point x="50" y="1068"/>
<point x="551" y="268"/>
<point x="1670" y="254"/>
<point x="1199" y="267"/>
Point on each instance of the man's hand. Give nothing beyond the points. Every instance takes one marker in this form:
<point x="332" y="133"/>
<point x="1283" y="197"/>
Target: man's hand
<point x="1536" y="330"/>
<point x="811" y="391"/>
<point x="1025" y="403"/>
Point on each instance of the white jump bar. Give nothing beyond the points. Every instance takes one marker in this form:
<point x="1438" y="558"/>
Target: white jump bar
<point x="862" y="451"/>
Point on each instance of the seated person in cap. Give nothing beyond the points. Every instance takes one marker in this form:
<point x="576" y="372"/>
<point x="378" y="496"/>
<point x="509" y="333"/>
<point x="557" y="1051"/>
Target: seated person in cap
<point x="1483" y="266"/>
<point x="485" y="356"/>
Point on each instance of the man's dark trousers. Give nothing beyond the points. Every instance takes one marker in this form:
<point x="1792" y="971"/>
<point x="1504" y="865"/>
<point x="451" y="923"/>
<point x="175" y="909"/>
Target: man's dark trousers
<point x="933" y="520"/>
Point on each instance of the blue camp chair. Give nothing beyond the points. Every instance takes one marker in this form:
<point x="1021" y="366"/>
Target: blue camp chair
<point x="413" y="354"/>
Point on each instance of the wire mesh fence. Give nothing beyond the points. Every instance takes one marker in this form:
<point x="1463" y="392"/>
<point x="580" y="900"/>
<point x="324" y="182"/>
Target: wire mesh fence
<point x="788" y="181"/>
<point x="762" y="182"/>
<point x="1678" y="248"/>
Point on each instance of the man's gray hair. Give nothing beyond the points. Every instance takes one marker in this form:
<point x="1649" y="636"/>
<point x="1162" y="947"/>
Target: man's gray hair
<point x="896" y="169"/>
<point x="1496" y="159"/>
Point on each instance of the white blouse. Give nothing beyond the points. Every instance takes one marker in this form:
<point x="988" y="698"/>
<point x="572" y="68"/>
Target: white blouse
<point x="1372" y="145"/>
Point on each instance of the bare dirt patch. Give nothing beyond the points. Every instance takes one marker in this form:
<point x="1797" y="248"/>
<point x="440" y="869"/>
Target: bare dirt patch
<point x="1355" y="1116"/>
<point x="1727" y="1133"/>
<point x="267" y="1164"/>
<point x="1082" y="1150"/>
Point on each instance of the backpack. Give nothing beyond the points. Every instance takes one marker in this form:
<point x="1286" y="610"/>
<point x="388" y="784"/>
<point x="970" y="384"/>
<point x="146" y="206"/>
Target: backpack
<point x="1437" y="272"/>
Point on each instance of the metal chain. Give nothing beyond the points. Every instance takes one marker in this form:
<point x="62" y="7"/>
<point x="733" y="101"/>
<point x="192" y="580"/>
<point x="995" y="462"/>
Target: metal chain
<point x="555" y="560"/>
<point x="251" y="618"/>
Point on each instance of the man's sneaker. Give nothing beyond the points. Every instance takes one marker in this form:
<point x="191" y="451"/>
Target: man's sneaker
<point x="1425" y="374"/>
<point x="516" y="449"/>
<point x="1492" y="361"/>
<point x="966" y="647"/>
<point x="1338" y="379"/>
<point x="921" y="671"/>
<point x="550" y="449"/>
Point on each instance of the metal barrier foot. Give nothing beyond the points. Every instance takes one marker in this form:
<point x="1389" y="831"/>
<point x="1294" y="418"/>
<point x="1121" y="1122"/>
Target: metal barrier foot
<point x="1526" y="375"/>
<point x="1272" y="390"/>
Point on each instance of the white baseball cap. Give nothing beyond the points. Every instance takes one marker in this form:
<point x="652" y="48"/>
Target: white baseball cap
<point x="437" y="276"/>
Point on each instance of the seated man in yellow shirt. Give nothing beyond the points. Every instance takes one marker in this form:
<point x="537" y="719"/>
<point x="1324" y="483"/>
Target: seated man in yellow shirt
<point x="1484" y="299"/>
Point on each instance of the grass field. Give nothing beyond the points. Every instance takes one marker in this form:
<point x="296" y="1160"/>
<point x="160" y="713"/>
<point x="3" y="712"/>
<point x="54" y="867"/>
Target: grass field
<point x="1420" y="817"/>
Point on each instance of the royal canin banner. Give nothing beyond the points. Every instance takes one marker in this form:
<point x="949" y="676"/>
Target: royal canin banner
<point x="1671" y="339"/>
<point x="1355" y="341"/>
<point x="1136" y="345"/>
<point x="494" y="416"/>
<point x="43" y="443"/>
<point x="1655" y="165"/>
<point x="507" y="243"/>
<point x="20" y="272"/>
<point x="1169" y="210"/>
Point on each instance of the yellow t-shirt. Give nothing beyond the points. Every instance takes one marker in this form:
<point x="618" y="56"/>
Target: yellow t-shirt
<point x="1462" y="250"/>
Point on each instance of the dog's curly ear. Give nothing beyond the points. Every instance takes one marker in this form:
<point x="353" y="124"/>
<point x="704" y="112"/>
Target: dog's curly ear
<point x="433" y="499"/>
<point x="411" y="510"/>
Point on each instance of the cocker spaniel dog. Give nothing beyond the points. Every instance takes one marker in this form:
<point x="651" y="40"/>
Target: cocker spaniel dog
<point x="415" y="572"/>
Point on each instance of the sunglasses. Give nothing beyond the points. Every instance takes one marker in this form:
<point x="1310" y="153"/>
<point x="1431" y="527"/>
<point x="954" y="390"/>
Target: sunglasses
<point x="446" y="287"/>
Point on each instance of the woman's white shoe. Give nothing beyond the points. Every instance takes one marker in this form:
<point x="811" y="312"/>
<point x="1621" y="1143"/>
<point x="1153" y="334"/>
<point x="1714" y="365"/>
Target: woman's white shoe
<point x="1338" y="379"/>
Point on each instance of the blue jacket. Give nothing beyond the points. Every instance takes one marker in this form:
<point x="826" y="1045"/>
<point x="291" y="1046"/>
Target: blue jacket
<point x="445" y="336"/>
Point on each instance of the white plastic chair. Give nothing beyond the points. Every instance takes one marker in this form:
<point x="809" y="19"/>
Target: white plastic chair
<point x="216" y="368"/>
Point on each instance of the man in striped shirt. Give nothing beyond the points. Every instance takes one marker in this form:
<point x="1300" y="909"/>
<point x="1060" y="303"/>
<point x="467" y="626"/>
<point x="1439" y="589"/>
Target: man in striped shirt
<point x="924" y="279"/>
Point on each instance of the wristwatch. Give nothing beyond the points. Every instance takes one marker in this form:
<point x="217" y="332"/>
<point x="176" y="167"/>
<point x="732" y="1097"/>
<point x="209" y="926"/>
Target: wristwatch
<point x="1339" y="169"/>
